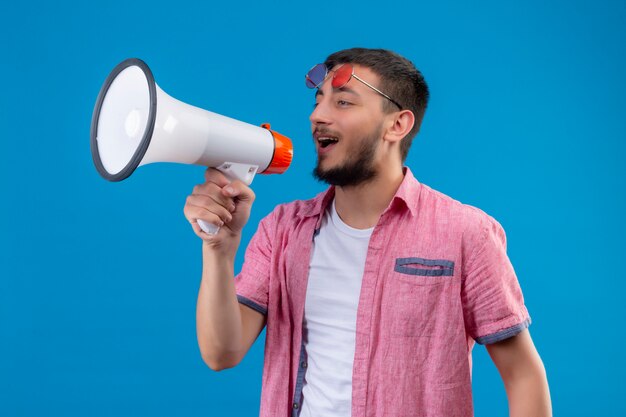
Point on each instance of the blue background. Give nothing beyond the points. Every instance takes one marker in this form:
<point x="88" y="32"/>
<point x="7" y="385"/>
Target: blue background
<point x="98" y="280"/>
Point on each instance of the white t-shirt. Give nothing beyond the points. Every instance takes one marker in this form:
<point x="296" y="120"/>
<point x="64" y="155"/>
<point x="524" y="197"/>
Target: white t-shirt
<point x="332" y="298"/>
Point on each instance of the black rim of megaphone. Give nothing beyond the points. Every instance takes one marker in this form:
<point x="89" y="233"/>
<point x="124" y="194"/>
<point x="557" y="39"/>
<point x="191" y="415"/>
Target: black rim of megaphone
<point x="145" y="141"/>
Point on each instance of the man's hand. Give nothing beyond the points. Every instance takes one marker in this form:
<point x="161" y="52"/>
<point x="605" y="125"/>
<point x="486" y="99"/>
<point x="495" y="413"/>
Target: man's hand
<point x="222" y="203"/>
<point x="524" y="376"/>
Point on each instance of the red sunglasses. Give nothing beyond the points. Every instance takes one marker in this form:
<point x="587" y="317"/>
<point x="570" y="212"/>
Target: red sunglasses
<point x="318" y="74"/>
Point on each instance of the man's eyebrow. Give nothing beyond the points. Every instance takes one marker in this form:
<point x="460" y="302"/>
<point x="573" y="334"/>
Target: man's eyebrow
<point x="348" y="90"/>
<point x="343" y="89"/>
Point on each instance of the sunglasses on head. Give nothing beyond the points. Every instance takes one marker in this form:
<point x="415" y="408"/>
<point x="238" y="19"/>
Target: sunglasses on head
<point x="318" y="74"/>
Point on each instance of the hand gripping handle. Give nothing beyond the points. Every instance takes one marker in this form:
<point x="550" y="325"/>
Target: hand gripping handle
<point x="232" y="171"/>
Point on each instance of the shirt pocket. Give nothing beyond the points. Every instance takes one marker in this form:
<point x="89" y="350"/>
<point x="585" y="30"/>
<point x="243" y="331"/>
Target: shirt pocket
<point x="424" y="294"/>
<point x="421" y="271"/>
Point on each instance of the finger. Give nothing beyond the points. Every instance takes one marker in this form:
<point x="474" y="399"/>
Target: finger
<point x="224" y="210"/>
<point x="209" y="218"/>
<point x="215" y="192"/>
<point x="200" y="208"/>
<point x="200" y="191"/>
<point x="216" y="176"/>
<point x="240" y="191"/>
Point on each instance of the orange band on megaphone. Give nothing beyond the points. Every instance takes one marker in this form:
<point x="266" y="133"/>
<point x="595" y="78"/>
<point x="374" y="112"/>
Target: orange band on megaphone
<point x="283" y="152"/>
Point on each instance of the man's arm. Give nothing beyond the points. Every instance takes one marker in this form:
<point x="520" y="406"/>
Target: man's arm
<point x="524" y="376"/>
<point x="225" y="329"/>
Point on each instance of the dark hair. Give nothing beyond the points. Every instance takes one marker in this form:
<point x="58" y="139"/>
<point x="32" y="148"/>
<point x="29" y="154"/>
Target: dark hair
<point x="399" y="79"/>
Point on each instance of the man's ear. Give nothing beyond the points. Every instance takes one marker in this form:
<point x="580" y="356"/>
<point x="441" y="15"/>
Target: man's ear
<point x="399" y="125"/>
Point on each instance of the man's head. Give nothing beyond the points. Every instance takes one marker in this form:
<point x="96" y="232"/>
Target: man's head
<point x="381" y="105"/>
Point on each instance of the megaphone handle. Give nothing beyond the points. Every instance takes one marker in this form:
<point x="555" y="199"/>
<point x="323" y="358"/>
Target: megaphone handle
<point x="208" y="228"/>
<point x="232" y="171"/>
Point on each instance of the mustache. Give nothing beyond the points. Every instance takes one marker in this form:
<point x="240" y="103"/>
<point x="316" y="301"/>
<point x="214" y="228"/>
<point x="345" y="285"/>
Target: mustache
<point x="322" y="131"/>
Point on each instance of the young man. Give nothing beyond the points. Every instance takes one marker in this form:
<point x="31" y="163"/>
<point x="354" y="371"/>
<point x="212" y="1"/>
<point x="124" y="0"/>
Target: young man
<point x="375" y="291"/>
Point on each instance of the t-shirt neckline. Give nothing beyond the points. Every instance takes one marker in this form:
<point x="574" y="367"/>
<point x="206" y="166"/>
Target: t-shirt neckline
<point x="344" y="228"/>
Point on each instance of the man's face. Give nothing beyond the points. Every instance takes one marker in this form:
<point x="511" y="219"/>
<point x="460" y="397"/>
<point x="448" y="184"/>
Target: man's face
<point x="347" y="127"/>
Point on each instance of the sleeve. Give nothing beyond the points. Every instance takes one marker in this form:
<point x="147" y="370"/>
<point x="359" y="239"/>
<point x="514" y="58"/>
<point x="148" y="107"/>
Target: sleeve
<point x="493" y="304"/>
<point x="252" y="282"/>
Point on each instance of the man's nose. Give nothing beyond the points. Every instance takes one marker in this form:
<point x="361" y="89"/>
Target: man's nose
<point x="320" y="114"/>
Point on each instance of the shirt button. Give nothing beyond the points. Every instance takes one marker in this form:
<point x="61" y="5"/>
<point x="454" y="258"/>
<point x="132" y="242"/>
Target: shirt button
<point x="295" y="406"/>
<point x="303" y="364"/>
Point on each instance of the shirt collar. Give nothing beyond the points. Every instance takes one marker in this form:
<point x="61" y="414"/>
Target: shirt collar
<point x="407" y="194"/>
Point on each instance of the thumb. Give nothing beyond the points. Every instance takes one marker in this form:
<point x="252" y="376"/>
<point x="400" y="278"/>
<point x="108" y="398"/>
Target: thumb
<point x="239" y="191"/>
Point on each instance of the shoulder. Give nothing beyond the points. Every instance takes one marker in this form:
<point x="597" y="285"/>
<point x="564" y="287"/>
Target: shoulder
<point x="286" y="214"/>
<point x="451" y="220"/>
<point x="470" y="220"/>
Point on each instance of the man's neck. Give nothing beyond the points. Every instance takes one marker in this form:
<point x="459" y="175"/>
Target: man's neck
<point x="361" y="206"/>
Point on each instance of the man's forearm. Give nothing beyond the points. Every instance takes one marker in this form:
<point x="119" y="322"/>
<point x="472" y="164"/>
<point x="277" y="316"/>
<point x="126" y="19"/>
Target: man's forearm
<point x="523" y="374"/>
<point x="218" y="318"/>
<point x="529" y="395"/>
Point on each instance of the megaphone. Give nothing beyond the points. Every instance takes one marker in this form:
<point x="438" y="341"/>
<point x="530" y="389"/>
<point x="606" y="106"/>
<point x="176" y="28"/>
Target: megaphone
<point x="135" y="123"/>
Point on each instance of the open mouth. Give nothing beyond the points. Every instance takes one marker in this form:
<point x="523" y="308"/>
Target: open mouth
<point x="326" y="141"/>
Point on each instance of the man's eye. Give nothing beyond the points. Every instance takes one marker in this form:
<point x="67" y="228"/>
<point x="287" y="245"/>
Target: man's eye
<point x="343" y="103"/>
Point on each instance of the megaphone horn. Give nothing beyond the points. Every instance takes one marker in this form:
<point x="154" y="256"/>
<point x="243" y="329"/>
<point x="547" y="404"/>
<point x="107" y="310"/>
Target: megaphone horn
<point x="136" y="123"/>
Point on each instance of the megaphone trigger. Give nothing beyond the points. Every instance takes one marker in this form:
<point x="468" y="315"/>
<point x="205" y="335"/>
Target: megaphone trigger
<point x="236" y="171"/>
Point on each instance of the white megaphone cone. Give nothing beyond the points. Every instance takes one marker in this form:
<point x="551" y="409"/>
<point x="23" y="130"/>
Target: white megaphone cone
<point x="136" y="123"/>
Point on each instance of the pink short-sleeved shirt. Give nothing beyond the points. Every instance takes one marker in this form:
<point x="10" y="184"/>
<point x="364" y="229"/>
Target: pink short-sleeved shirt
<point x="437" y="279"/>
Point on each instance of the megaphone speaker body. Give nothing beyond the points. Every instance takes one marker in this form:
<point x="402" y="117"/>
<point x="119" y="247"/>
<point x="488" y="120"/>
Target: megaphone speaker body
<point x="136" y="123"/>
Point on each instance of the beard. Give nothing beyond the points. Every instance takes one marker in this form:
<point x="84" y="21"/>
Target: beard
<point x="358" y="168"/>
